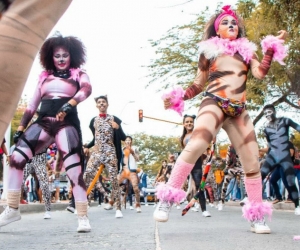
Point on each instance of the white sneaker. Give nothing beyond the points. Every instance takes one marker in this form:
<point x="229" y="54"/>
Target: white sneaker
<point x="47" y="215"/>
<point x="178" y="207"/>
<point x="297" y="210"/>
<point x="138" y="210"/>
<point x="57" y="201"/>
<point x="220" y="206"/>
<point x="119" y="214"/>
<point x="197" y="205"/>
<point x="194" y="209"/>
<point x="260" y="227"/>
<point x="108" y="206"/>
<point x="9" y="215"/>
<point x="146" y="205"/>
<point x="70" y="209"/>
<point x="75" y="211"/>
<point x="243" y="201"/>
<point x="206" y="214"/>
<point x="131" y="208"/>
<point x="162" y="210"/>
<point x="83" y="224"/>
<point x="211" y="205"/>
<point x="99" y="205"/>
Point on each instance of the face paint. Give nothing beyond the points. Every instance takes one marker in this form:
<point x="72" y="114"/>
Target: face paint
<point x="102" y="105"/>
<point x="228" y="28"/>
<point x="270" y="114"/>
<point x="128" y="141"/>
<point x="61" y="58"/>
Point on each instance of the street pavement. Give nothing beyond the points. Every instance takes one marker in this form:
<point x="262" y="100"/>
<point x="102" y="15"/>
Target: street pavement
<point x="138" y="231"/>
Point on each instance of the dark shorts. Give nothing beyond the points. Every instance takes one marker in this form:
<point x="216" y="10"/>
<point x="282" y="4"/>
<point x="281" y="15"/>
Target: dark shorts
<point x="230" y="107"/>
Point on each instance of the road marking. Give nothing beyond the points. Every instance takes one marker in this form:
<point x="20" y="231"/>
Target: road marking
<point x="157" y="237"/>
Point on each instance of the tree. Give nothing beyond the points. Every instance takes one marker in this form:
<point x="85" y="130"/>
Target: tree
<point x="153" y="150"/>
<point x="177" y="54"/>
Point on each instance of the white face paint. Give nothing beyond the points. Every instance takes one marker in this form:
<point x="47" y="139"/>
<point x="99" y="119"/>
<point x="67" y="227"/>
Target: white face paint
<point x="269" y="114"/>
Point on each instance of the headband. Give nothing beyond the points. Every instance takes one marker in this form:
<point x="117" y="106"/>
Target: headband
<point x="226" y="12"/>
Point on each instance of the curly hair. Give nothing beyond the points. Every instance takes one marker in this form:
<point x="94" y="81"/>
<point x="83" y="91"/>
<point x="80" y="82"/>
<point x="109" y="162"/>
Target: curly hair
<point x="209" y="30"/>
<point x="75" y="47"/>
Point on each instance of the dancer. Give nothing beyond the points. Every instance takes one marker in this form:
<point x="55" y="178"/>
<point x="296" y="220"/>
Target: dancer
<point x="232" y="169"/>
<point x="108" y="134"/>
<point x="277" y="134"/>
<point x="61" y="87"/>
<point x="24" y="26"/>
<point x="225" y="59"/>
<point x="129" y="170"/>
<point x="196" y="173"/>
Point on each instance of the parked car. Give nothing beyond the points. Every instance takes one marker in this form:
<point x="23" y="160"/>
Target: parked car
<point x="150" y="190"/>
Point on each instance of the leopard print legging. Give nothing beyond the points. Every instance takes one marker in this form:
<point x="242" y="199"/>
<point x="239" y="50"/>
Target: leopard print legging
<point x="38" y="164"/>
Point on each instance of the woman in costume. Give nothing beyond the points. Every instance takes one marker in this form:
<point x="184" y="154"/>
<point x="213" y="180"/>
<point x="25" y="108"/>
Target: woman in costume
<point x="129" y="170"/>
<point x="61" y="87"/>
<point x="226" y="57"/>
<point x="196" y="173"/>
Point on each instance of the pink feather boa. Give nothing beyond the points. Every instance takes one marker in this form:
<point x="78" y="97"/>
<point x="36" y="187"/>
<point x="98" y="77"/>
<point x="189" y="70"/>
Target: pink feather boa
<point x="74" y="74"/>
<point x="280" y="51"/>
<point x="256" y="210"/>
<point x="165" y="192"/>
<point x="215" y="46"/>
<point x="176" y="98"/>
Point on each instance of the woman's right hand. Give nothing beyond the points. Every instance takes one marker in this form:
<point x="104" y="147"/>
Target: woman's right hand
<point x="167" y="103"/>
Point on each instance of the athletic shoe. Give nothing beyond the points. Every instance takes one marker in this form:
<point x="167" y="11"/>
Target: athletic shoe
<point x="99" y="205"/>
<point x="83" y="224"/>
<point x="119" y="214"/>
<point x="178" y="207"/>
<point x="194" y="209"/>
<point x="146" y="204"/>
<point x="297" y="210"/>
<point x="9" y="215"/>
<point x="23" y="202"/>
<point x="108" y="206"/>
<point x="206" y="214"/>
<point x="47" y="215"/>
<point x="276" y="201"/>
<point x="131" y="208"/>
<point x="211" y="204"/>
<point x="220" y="206"/>
<point x="75" y="211"/>
<point x="260" y="227"/>
<point x="162" y="210"/>
<point x="243" y="201"/>
<point x="71" y="209"/>
<point x="57" y="201"/>
<point x="138" y="210"/>
<point x="197" y="205"/>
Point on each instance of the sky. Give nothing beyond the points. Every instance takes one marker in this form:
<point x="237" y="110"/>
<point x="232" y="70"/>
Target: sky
<point x="116" y="34"/>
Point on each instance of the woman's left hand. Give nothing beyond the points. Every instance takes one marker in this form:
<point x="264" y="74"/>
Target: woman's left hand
<point x="167" y="103"/>
<point x="282" y="34"/>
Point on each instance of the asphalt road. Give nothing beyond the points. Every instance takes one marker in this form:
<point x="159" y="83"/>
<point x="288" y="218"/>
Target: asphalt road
<point x="224" y="230"/>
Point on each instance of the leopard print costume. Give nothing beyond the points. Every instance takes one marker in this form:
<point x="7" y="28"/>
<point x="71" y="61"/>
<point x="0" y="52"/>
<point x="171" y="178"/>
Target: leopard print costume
<point x="104" y="153"/>
<point x="38" y="165"/>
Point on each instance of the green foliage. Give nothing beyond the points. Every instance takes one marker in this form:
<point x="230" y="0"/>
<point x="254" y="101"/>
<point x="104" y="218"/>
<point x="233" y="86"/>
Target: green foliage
<point x="153" y="150"/>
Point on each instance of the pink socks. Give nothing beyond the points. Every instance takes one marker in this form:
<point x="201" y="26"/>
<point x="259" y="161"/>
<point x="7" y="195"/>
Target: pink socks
<point x="254" y="209"/>
<point x="172" y="191"/>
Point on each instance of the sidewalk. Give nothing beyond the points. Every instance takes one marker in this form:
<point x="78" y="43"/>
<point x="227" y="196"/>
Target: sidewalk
<point x="39" y="207"/>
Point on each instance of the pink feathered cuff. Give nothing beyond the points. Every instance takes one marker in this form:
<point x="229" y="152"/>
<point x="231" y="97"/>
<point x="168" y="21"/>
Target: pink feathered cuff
<point x="165" y="192"/>
<point x="176" y="98"/>
<point x="280" y="51"/>
<point x="256" y="210"/>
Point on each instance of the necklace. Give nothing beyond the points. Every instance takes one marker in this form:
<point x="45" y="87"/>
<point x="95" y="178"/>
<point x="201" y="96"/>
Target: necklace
<point x="62" y="74"/>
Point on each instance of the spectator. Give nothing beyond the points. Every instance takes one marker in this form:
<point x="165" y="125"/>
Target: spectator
<point x="143" y="185"/>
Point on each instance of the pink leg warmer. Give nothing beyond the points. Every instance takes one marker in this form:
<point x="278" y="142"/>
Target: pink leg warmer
<point x="255" y="208"/>
<point x="172" y="191"/>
